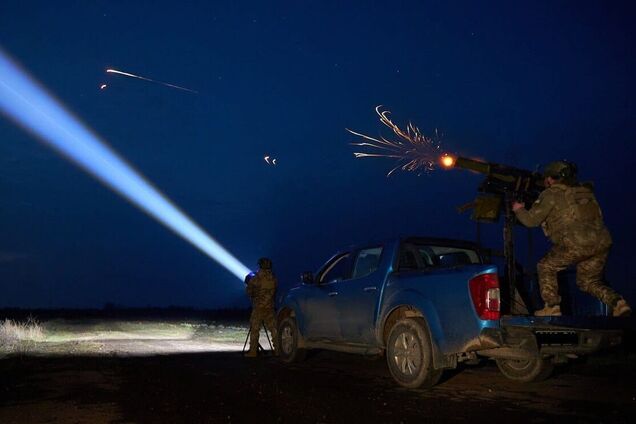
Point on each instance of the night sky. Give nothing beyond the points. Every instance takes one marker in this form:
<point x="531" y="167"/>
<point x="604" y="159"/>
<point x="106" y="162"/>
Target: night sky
<point x="522" y="83"/>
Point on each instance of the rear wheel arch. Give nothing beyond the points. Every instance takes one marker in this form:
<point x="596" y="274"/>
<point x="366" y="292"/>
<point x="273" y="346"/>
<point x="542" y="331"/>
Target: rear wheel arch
<point x="412" y="300"/>
<point x="440" y="361"/>
<point x="398" y="313"/>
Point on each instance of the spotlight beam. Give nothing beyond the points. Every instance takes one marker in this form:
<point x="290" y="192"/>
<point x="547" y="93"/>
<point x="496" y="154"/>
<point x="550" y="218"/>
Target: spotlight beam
<point x="30" y="106"/>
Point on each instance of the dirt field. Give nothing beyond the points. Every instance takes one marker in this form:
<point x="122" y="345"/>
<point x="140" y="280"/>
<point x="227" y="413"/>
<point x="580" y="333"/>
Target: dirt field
<point x="111" y="377"/>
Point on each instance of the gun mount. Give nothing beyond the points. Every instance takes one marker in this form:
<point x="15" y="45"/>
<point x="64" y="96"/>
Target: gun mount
<point x="502" y="185"/>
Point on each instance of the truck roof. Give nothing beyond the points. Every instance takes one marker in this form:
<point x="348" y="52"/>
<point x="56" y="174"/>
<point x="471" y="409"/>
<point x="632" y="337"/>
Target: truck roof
<point x="416" y="240"/>
<point x="440" y="241"/>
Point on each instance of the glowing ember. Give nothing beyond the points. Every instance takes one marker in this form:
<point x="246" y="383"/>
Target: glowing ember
<point x="447" y="161"/>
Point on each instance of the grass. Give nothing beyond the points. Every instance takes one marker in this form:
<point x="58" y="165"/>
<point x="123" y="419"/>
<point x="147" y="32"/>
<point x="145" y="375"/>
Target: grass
<point x="20" y="337"/>
<point x="94" y="336"/>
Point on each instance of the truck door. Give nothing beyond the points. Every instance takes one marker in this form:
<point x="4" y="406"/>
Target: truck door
<point x="357" y="298"/>
<point x="322" y="316"/>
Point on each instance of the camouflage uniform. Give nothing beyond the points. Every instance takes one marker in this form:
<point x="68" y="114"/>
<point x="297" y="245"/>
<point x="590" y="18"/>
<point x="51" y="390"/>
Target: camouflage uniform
<point x="572" y="219"/>
<point x="261" y="290"/>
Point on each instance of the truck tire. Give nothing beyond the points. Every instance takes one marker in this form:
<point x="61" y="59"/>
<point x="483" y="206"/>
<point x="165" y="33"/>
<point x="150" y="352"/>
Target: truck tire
<point x="526" y="371"/>
<point x="288" y="340"/>
<point x="409" y="354"/>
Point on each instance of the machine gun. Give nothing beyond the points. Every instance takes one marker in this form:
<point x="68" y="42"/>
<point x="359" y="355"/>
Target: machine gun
<point x="502" y="185"/>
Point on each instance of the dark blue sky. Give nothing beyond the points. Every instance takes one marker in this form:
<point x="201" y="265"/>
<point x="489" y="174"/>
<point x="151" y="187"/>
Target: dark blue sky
<point x="522" y="83"/>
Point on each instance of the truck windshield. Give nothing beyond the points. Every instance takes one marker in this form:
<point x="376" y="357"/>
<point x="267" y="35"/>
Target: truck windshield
<point x="424" y="256"/>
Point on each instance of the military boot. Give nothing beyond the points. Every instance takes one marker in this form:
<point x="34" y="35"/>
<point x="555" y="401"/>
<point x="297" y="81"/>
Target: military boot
<point x="252" y="353"/>
<point x="621" y="309"/>
<point x="549" y="311"/>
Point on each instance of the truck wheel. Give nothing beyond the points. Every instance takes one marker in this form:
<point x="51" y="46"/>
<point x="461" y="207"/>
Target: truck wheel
<point x="409" y="354"/>
<point x="527" y="370"/>
<point x="288" y="338"/>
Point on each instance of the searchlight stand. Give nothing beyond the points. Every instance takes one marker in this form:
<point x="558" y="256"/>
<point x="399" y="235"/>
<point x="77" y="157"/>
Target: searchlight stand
<point x="260" y="348"/>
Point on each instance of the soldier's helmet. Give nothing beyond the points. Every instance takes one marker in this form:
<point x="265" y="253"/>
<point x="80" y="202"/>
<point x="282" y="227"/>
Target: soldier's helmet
<point x="265" y="263"/>
<point x="561" y="170"/>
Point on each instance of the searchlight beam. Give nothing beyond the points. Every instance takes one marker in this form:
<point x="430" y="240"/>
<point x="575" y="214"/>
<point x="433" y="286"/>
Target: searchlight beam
<point x="30" y="106"/>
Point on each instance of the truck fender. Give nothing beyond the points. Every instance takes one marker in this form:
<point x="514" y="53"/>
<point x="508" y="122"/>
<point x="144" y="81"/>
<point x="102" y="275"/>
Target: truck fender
<point x="415" y="301"/>
<point x="289" y="306"/>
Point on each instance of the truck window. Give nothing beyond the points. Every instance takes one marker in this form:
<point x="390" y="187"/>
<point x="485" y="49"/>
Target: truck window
<point x="424" y="256"/>
<point x="337" y="270"/>
<point x="367" y="262"/>
<point x="454" y="259"/>
<point x="448" y="256"/>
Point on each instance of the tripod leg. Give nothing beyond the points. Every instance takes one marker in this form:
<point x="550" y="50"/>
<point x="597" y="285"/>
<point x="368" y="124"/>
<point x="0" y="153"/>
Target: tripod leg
<point x="260" y="347"/>
<point x="267" y="335"/>
<point x="247" y="338"/>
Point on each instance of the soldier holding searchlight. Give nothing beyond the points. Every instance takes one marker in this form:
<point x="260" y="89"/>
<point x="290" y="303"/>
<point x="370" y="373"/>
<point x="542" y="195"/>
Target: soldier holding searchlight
<point x="571" y="217"/>
<point x="261" y="288"/>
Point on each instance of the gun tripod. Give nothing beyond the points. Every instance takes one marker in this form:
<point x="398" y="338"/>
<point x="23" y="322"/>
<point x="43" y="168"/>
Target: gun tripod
<point x="260" y="348"/>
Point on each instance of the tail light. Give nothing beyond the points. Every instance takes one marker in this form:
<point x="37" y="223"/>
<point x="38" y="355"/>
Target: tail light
<point x="484" y="291"/>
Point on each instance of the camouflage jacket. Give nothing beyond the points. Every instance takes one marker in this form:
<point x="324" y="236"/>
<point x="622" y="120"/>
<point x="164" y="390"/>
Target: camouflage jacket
<point x="262" y="288"/>
<point x="567" y="212"/>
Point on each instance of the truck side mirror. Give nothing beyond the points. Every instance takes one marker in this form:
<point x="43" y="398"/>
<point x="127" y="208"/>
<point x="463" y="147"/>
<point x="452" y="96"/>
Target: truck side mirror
<point x="307" y="278"/>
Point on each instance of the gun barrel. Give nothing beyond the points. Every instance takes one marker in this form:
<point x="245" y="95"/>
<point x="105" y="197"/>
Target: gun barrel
<point x="503" y="173"/>
<point x="472" y="165"/>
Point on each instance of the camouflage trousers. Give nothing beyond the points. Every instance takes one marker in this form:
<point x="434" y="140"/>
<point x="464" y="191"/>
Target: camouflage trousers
<point x="262" y="314"/>
<point x="589" y="260"/>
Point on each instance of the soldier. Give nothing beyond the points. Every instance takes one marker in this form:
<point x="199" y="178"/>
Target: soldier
<point x="572" y="219"/>
<point x="261" y="289"/>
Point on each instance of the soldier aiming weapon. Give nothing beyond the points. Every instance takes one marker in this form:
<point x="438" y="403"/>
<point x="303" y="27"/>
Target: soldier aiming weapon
<point x="569" y="215"/>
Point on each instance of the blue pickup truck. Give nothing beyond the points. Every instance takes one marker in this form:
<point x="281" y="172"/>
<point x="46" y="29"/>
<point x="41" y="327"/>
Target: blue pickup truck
<point x="427" y="304"/>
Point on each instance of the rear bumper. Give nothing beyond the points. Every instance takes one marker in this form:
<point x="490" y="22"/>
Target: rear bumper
<point x="529" y="342"/>
<point x="577" y="341"/>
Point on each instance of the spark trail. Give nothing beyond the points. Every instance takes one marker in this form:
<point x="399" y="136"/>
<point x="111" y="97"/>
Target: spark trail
<point x="414" y="151"/>
<point x="127" y="74"/>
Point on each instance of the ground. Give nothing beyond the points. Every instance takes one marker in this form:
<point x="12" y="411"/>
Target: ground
<point x="192" y="372"/>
